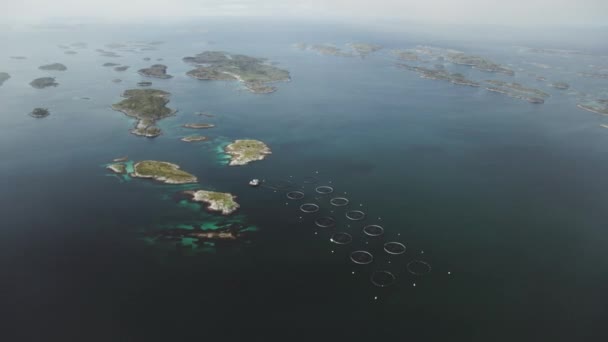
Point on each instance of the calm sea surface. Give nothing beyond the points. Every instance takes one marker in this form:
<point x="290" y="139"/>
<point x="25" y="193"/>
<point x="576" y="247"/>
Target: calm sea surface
<point x="505" y="200"/>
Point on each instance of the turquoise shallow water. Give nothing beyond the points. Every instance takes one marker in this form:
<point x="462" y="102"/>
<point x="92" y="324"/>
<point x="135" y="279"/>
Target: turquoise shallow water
<point x="506" y="196"/>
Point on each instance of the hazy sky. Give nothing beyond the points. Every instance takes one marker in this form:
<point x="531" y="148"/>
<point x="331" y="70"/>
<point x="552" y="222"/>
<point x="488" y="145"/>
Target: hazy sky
<point x="502" y="12"/>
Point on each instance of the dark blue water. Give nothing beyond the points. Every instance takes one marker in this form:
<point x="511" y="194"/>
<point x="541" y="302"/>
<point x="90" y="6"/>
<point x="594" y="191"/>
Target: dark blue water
<point x="506" y="200"/>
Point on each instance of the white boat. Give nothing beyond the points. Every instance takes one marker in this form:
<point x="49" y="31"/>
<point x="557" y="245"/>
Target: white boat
<point x="254" y="182"/>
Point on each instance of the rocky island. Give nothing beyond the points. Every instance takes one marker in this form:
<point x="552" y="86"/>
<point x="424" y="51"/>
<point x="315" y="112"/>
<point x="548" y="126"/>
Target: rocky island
<point x="254" y="73"/>
<point x="330" y="50"/>
<point x="594" y="74"/>
<point x="560" y="85"/>
<point x="562" y="52"/>
<point x="478" y="62"/>
<point x="4" y="77"/>
<point x="245" y="151"/>
<point x="162" y="171"/>
<point x="44" y="82"/>
<point x="194" y="138"/>
<point x="120" y="159"/>
<point x="198" y="125"/>
<point x="54" y="67"/>
<point x="440" y="74"/>
<point x="147" y="106"/>
<point x="40" y="113"/>
<point x="405" y="55"/>
<point x="156" y="70"/>
<point x="518" y="91"/>
<point x="18" y="57"/>
<point x="364" y="49"/>
<point x="144" y="84"/>
<point x="118" y="168"/>
<point x="598" y="106"/>
<point x="110" y="64"/>
<point x="121" y="68"/>
<point x="105" y="53"/>
<point x="216" y="201"/>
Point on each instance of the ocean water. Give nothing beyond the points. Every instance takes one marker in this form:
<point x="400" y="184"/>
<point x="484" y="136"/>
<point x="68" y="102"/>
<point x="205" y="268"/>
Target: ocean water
<point x="504" y="199"/>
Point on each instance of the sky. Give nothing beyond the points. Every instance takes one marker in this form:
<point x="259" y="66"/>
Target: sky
<point x="498" y="12"/>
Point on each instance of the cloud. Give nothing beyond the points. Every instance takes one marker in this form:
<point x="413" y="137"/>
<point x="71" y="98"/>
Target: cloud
<point x="503" y="12"/>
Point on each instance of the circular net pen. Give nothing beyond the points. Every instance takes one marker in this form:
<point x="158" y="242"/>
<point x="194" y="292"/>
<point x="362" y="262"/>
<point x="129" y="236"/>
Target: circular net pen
<point x="309" y="208"/>
<point x="295" y="195"/>
<point x="361" y="257"/>
<point x="355" y="215"/>
<point x="325" y="222"/>
<point x="341" y="238"/>
<point x="339" y="201"/>
<point x="324" y="190"/>
<point x="373" y="230"/>
<point x="383" y="278"/>
<point x="418" y="267"/>
<point x="394" y="248"/>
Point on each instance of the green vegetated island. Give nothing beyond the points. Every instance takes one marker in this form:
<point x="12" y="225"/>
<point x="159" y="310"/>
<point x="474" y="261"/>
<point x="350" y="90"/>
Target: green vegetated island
<point x="156" y="70"/>
<point x="147" y="106"/>
<point x="170" y="173"/>
<point x="53" y="67"/>
<point x="478" y="62"/>
<point x="4" y="77"/>
<point x="44" y="82"/>
<point x="440" y="74"/>
<point x="40" y="113"/>
<point x="432" y="53"/>
<point x="134" y="47"/>
<point x="216" y="201"/>
<point x="351" y="50"/>
<point x="518" y="91"/>
<point x="427" y="54"/>
<point x="243" y="152"/>
<point x="405" y="55"/>
<point x="163" y="172"/>
<point x="254" y="73"/>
